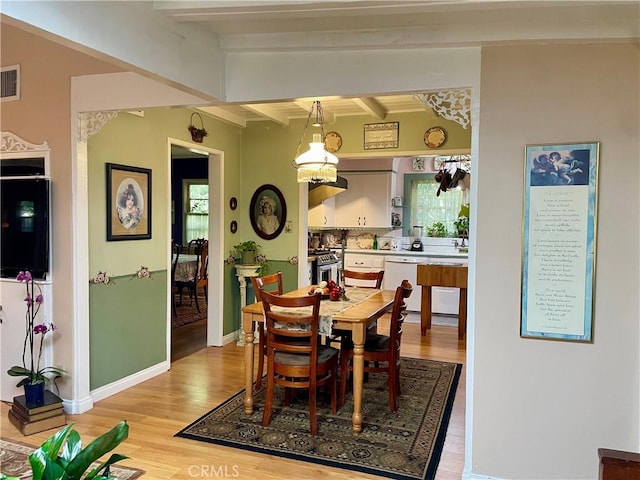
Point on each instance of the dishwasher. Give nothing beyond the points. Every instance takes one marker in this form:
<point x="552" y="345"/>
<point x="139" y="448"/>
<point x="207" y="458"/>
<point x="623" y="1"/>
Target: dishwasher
<point x="398" y="268"/>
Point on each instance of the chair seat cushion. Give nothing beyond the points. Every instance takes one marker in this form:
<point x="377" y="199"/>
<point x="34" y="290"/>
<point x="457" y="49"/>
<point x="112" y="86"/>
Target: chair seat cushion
<point x="302" y="359"/>
<point x="376" y="343"/>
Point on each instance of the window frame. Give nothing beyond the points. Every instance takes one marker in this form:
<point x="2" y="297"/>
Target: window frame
<point x="186" y="206"/>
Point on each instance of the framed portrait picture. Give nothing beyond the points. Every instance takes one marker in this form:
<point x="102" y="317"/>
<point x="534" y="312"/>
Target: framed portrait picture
<point x="268" y="212"/>
<point x="559" y="241"/>
<point x="128" y="202"/>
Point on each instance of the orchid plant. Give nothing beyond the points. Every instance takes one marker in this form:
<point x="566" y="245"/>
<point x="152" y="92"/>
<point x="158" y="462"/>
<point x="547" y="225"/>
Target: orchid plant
<point x="32" y="348"/>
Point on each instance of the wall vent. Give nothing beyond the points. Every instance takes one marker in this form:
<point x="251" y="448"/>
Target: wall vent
<point x="10" y="83"/>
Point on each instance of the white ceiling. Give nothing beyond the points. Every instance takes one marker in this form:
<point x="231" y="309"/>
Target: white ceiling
<point x="302" y="25"/>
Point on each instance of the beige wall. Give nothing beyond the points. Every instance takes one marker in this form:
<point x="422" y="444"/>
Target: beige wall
<point x="542" y="408"/>
<point x="43" y="114"/>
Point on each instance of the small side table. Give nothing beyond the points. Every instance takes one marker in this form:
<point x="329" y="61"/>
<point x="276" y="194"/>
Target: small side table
<point x="442" y="275"/>
<point x="243" y="272"/>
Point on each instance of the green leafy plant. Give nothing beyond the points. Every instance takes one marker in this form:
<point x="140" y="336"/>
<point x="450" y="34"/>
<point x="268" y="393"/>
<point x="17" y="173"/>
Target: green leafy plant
<point x="62" y="457"/>
<point x="462" y="226"/>
<point x="248" y="246"/>
<point x="32" y="349"/>
<point x="437" y="229"/>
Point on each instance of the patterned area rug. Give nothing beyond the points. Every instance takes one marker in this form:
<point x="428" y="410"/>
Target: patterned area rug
<point x="14" y="462"/>
<point x="403" y="445"/>
<point x="188" y="313"/>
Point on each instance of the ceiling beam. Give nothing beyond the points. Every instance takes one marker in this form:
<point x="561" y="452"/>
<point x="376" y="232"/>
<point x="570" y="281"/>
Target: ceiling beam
<point x="329" y="116"/>
<point x="225" y="115"/>
<point x="372" y="107"/>
<point x="268" y="112"/>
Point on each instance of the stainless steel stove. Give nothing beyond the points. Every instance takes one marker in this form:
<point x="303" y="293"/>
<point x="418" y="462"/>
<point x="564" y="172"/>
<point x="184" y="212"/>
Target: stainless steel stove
<point x="325" y="266"/>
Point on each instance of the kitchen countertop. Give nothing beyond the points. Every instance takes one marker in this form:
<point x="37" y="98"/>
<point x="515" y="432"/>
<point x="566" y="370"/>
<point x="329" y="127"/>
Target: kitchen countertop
<point x="408" y="253"/>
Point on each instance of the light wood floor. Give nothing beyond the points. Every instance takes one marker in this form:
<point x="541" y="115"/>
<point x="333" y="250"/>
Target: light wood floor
<point x="160" y="407"/>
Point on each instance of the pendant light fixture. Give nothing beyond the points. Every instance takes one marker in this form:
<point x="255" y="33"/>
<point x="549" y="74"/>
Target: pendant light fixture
<point x="316" y="165"/>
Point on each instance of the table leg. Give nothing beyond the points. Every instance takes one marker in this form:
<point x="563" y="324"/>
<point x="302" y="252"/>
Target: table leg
<point x="247" y="326"/>
<point x="425" y="310"/>
<point x="462" y="314"/>
<point x="358" y="335"/>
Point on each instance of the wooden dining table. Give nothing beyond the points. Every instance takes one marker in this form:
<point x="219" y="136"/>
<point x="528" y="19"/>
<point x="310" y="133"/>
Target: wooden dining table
<point x="363" y="308"/>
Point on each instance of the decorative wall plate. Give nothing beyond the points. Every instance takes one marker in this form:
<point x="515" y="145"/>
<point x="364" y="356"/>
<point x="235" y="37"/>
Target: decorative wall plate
<point x="332" y="142"/>
<point x="233" y="203"/>
<point x="435" y="137"/>
<point x="233" y="226"/>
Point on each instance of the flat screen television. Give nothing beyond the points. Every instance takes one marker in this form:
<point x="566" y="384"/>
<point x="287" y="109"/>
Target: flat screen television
<point x="24" y="241"/>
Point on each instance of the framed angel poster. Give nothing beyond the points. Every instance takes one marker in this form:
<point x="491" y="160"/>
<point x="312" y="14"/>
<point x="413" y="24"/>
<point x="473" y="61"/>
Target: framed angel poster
<point x="559" y="241"/>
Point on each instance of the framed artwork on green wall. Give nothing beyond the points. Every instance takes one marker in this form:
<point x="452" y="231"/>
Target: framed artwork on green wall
<point x="128" y="203"/>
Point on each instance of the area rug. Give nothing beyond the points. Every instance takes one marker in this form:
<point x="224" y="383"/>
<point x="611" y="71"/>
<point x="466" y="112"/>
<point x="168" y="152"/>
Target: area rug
<point x="403" y="445"/>
<point x="187" y="313"/>
<point x="14" y="462"/>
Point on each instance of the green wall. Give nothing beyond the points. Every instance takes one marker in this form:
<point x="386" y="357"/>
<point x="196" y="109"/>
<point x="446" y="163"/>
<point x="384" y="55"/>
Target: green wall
<point x="141" y="311"/>
<point x="127" y="326"/>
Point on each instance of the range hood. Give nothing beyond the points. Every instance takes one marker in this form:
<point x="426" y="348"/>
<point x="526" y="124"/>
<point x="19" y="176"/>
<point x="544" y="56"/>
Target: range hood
<point x="319" y="192"/>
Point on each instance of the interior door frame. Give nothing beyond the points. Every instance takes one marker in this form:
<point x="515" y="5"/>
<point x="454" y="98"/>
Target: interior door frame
<point x="216" y="242"/>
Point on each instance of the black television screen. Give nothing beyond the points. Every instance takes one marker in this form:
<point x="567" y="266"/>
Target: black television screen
<point x="25" y="226"/>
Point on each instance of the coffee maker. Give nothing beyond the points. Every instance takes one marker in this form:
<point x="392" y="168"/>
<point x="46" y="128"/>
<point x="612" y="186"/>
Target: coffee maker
<point x="416" y="245"/>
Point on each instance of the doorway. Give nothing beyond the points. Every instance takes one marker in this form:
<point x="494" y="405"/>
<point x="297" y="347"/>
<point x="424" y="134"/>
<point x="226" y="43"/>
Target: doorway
<point x="195" y="205"/>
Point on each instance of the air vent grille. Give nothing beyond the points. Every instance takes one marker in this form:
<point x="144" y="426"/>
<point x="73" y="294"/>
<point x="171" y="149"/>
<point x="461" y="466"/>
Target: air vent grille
<point x="10" y="83"/>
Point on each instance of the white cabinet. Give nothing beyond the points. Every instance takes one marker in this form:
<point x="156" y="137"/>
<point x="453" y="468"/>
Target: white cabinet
<point x="323" y="215"/>
<point x="367" y="200"/>
<point x="363" y="263"/>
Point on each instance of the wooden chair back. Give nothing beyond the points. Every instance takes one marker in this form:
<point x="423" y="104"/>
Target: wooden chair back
<point x="374" y="278"/>
<point x="271" y="283"/>
<point x="381" y="352"/>
<point x="294" y="356"/>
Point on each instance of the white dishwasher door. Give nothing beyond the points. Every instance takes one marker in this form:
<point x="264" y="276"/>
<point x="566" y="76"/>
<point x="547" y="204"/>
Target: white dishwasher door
<point x="397" y="269"/>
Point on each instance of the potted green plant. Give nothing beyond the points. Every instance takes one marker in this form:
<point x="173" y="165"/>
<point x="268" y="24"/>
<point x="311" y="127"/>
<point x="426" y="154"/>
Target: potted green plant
<point x="462" y="227"/>
<point x="34" y="376"/>
<point x="437" y="229"/>
<point x="247" y="251"/>
<point x="54" y="459"/>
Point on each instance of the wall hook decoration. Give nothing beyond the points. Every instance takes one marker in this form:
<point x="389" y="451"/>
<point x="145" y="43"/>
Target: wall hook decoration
<point x="197" y="133"/>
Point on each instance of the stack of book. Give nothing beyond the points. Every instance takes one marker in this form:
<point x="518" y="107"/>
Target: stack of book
<point x="30" y="418"/>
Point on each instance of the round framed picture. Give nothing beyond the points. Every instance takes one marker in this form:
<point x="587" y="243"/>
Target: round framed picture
<point x="233" y="203"/>
<point x="234" y="226"/>
<point x="332" y="142"/>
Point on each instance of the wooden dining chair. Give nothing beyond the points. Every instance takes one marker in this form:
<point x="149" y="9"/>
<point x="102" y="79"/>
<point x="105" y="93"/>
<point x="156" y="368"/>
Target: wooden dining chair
<point x="381" y="352"/>
<point x="176" y="248"/>
<point x="374" y="279"/>
<point x="194" y="247"/>
<point x="295" y="358"/>
<point x="273" y="284"/>
<point x="202" y="277"/>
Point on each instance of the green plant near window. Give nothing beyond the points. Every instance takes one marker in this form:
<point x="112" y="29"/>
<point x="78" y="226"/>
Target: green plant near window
<point x="462" y="227"/>
<point x="62" y="457"/>
<point x="437" y="229"/>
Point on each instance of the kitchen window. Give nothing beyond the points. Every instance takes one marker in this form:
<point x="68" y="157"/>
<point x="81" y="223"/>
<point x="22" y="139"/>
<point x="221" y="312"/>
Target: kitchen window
<point x="196" y="207"/>
<point x="426" y="207"/>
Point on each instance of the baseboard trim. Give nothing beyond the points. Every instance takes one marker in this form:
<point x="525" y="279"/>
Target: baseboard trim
<point x="128" y="382"/>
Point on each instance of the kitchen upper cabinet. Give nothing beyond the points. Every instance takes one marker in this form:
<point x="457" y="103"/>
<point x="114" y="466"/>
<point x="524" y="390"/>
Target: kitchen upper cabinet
<point x="367" y="200"/>
<point x="323" y="215"/>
